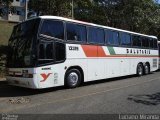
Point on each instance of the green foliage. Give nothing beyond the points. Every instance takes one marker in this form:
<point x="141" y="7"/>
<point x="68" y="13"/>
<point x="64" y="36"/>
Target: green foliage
<point x="50" y="7"/>
<point x="141" y="16"/>
<point x="135" y="15"/>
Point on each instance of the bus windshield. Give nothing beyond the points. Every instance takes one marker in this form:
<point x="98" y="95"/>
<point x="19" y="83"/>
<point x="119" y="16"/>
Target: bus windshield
<point x="21" y="44"/>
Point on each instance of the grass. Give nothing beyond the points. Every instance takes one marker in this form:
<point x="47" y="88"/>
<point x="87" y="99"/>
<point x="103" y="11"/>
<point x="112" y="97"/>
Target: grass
<point x="5" y="32"/>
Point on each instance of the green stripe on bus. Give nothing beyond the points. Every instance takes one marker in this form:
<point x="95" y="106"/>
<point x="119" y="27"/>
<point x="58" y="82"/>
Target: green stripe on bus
<point x="111" y="50"/>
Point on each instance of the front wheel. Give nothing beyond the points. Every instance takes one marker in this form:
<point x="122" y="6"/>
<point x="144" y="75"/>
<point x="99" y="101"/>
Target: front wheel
<point x="139" y="69"/>
<point x="73" y="78"/>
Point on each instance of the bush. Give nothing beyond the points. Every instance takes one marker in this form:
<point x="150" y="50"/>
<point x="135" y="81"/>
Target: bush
<point x="3" y="54"/>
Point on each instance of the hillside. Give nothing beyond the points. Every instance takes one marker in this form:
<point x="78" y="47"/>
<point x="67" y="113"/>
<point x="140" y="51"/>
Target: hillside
<point x="5" y="32"/>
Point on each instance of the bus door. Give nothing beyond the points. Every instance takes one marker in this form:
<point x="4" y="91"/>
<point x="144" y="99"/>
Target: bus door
<point x="51" y="53"/>
<point x="45" y="59"/>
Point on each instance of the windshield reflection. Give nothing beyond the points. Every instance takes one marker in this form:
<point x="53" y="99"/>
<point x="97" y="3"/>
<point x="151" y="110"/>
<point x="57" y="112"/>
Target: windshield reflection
<point x="21" y="44"/>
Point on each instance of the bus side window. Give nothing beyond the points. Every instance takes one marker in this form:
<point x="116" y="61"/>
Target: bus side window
<point x="53" y="28"/>
<point x="126" y="40"/>
<point x="151" y="43"/>
<point x="109" y="37"/>
<point x="112" y="38"/>
<point x="139" y="41"/>
<point x="46" y="53"/>
<point x="41" y="51"/>
<point x="155" y="44"/>
<point x="136" y="41"/>
<point x="144" y="42"/>
<point x="59" y="51"/>
<point x="49" y="51"/>
<point x="100" y="36"/>
<point x="96" y="35"/>
<point x="116" y="38"/>
<point x="76" y="32"/>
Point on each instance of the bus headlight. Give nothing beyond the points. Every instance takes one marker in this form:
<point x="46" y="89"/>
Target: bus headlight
<point x="26" y="74"/>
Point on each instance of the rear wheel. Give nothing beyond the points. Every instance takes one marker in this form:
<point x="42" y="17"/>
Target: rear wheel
<point x="139" y="69"/>
<point x="73" y="78"/>
<point x="146" y="69"/>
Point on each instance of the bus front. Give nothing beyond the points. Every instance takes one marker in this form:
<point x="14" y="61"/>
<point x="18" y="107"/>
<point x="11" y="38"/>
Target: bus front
<point x="37" y="54"/>
<point x="21" y="58"/>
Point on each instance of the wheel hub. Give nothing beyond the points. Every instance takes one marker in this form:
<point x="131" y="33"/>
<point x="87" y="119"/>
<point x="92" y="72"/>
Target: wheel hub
<point x="73" y="78"/>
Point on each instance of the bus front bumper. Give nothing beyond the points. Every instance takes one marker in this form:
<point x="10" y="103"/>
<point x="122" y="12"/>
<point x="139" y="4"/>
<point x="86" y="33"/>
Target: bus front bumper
<point x="22" y="82"/>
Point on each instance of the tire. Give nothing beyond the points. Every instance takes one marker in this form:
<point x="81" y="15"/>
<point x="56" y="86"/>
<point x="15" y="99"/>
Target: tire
<point x="146" y="69"/>
<point x="73" y="78"/>
<point x="139" y="70"/>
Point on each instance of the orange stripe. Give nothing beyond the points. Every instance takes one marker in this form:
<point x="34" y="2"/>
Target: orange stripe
<point x="90" y="50"/>
<point x="101" y="52"/>
<point x="97" y="51"/>
<point x="93" y="51"/>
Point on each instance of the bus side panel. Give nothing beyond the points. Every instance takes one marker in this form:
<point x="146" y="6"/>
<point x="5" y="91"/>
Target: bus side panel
<point x="51" y="76"/>
<point x="154" y="60"/>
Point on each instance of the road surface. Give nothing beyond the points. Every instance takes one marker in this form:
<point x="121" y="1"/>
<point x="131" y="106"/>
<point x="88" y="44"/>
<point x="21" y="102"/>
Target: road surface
<point x="125" y="95"/>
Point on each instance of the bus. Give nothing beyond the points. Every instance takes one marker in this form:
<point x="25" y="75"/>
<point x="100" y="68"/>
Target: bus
<point x="159" y="52"/>
<point x="51" y="51"/>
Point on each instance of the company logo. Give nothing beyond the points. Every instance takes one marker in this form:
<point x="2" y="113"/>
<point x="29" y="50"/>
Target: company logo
<point x="45" y="76"/>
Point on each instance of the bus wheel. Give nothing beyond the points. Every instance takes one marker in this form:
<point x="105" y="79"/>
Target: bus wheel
<point x="139" y="69"/>
<point x="146" y="69"/>
<point x="73" y="78"/>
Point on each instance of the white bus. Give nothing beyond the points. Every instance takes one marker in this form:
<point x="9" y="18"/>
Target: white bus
<point x="51" y="51"/>
<point x="159" y="52"/>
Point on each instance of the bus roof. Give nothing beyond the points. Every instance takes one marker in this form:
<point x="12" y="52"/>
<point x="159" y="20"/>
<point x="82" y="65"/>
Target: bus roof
<point x="92" y="24"/>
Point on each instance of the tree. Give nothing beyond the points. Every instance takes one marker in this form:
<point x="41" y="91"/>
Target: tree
<point x="5" y="3"/>
<point x="50" y="7"/>
<point x="135" y="15"/>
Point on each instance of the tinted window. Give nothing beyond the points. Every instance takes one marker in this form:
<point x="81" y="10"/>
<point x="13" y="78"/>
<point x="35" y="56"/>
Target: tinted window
<point x="45" y="53"/>
<point x="112" y="37"/>
<point x="41" y="51"/>
<point x="125" y="39"/>
<point x="109" y="37"/>
<point x="49" y="51"/>
<point x="136" y="41"/>
<point x="155" y="44"/>
<point x="60" y="51"/>
<point x="76" y="32"/>
<point x="116" y="38"/>
<point x="96" y="35"/>
<point x="53" y="29"/>
<point x="145" y="42"/>
<point x="151" y="43"/>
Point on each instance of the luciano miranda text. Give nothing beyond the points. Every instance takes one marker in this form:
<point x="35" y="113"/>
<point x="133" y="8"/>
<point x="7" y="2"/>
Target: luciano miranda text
<point x="138" y="117"/>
